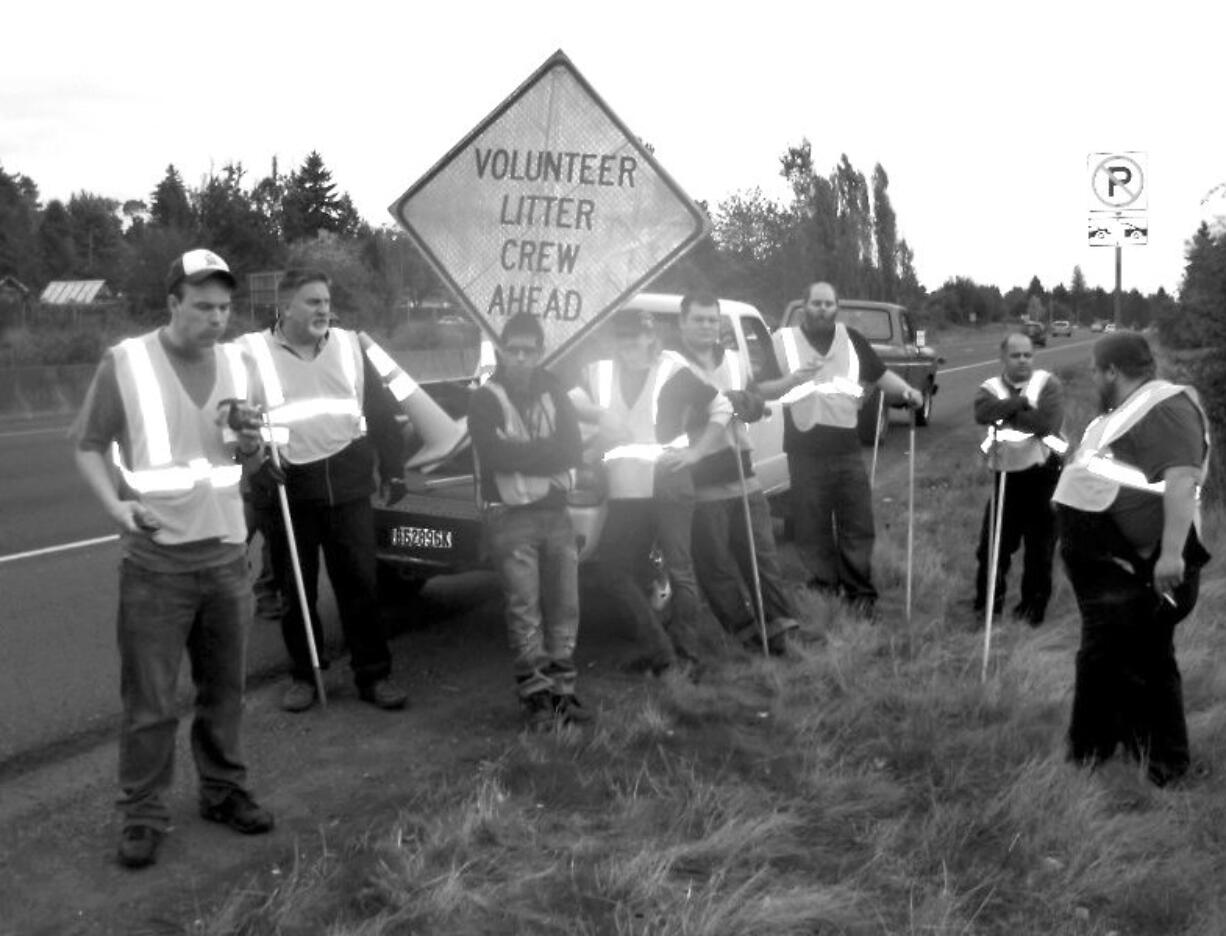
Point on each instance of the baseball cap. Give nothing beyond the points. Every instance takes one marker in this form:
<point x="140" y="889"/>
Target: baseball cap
<point x="196" y="266"/>
<point x="630" y="322"/>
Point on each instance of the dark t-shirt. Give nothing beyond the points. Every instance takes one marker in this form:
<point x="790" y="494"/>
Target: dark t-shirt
<point x="1171" y="435"/>
<point x="102" y="421"/>
<point x="833" y="440"/>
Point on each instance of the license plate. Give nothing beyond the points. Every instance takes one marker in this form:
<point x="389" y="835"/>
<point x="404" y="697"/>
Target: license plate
<point x="412" y="537"/>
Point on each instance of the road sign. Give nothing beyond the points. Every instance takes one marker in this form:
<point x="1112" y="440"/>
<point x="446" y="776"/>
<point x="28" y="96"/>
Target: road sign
<point x="1119" y="230"/>
<point x="1117" y="181"/>
<point x="549" y="206"/>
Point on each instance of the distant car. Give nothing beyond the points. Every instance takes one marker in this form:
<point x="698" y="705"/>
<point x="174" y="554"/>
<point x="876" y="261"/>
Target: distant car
<point x="1096" y="326"/>
<point x="1061" y="328"/>
<point x="1109" y="327"/>
<point x="1036" y="332"/>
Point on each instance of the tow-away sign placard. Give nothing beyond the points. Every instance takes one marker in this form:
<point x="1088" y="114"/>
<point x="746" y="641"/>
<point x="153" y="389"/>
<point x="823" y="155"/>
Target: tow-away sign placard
<point x="549" y="206"/>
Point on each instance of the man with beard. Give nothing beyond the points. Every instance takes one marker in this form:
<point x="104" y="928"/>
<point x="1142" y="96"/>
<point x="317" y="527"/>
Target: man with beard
<point x="824" y="364"/>
<point x="527" y="443"/>
<point x="1129" y="519"/>
<point x="1024" y="410"/>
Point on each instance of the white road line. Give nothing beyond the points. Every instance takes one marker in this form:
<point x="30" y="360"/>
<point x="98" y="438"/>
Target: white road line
<point x="63" y="547"/>
<point x="995" y="362"/>
<point x="63" y="430"/>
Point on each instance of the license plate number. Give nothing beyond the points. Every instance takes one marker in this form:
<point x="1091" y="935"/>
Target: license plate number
<point x="412" y="537"/>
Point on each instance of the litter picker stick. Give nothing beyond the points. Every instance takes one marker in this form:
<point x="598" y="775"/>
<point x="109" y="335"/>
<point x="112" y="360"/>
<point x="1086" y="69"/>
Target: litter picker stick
<point x="297" y="566"/>
<point x="910" y="515"/>
<point x="872" y="475"/>
<point x="759" y="607"/>
<point x="998" y="522"/>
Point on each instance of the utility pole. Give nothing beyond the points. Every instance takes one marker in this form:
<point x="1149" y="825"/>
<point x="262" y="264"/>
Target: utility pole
<point x="1119" y="263"/>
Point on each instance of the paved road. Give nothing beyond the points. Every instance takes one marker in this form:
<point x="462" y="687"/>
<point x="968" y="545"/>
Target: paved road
<point x="58" y="667"/>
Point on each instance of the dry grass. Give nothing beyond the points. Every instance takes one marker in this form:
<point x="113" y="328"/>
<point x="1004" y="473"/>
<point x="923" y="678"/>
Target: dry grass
<point x="871" y="784"/>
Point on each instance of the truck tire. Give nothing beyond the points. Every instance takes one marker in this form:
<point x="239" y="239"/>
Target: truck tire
<point x="868" y="426"/>
<point x="924" y="414"/>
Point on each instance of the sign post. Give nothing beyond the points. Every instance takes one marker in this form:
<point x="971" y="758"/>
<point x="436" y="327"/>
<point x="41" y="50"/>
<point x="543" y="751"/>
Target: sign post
<point x="549" y="206"/>
<point x="1118" y="206"/>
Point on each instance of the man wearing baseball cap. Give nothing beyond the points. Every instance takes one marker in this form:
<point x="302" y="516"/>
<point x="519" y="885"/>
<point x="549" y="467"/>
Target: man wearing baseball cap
<point x="170" y="411"/>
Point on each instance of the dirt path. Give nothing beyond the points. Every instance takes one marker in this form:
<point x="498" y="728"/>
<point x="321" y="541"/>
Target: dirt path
<point x="326" y="776"/>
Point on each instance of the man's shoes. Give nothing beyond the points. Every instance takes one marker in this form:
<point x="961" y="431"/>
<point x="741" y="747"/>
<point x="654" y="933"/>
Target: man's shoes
<point x="383" y="694"/>
<point x="570" y="711"/>
<point x="240" y="812"/>
<point x="538" y="710"/>
<point x="299" y="697"/>
<point x="138" y="846"/>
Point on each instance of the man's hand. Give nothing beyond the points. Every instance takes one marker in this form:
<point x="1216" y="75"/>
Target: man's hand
<point x="747" y="406"/>
<point x="1168" y="574"/>
<point x="133" y="517"/>
<point x="801" y="376"/>
<point x="272" y="472"/>
<point x="913" y="398"/>
<point x="393" y="491"/>
<point x="674" y="460"/>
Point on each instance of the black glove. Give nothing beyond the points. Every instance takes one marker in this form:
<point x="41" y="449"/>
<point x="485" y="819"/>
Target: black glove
<point x="393" y="491"/>
<point x="747" y="406"/>
<point x="270" y="474"/>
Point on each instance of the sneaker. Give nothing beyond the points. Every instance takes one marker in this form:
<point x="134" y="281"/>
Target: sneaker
<point x="538" y="709"/>
<point x="138" y="846"/>
<point x="299" y="697"/>
<point x="240" y="812"/>
<point x="570" y="711"/>
<point x="383" y="694"/>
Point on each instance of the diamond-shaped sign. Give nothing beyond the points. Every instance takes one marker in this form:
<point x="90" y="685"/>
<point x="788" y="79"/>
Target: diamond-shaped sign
<point x="549" y="206"/>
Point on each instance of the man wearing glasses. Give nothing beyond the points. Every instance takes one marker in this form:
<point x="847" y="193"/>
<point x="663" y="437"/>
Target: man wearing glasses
<point x="824" y="364"/>
<point x="527" y="443"/>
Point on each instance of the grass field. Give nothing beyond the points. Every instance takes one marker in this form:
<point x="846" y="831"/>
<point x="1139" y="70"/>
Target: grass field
<point x="870" y="784"/>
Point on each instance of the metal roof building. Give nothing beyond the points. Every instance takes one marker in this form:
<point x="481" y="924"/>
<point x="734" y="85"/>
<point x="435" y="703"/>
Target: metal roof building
<point x="68" y="292"/>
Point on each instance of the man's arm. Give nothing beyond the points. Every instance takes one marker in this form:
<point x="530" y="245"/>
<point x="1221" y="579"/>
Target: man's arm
<point x="773" y="389"/>
<point x="682" y="394"/>
<point x="1178" y="511"/>
<point x="544" y="456"/>
<point x="890" y="382"/>
<point x="991" y="409"/>
<point x="1048" y="417"/>
<point x="386" y="431"/>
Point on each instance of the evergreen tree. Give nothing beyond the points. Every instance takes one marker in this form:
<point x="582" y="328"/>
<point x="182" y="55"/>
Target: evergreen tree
<point x="885" y="234"/>
<point x="97" y="236"/>
<point x="55" y="242"/>
<point x="311" y="205"/>
<point x="169" y="204"/>
<point x="18" y="223"/>
<point x="1077" y="292"/>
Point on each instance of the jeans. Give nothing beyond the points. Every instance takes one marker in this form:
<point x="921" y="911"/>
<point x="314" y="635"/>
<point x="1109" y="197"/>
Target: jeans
<point x="631" y="529"/>
<point x="1128" y="688"/>
<point x="160" y="615"/>
<point x="834" y="522"/>
<point x="535" y="554"/>
<point x="1030" y="519"/>
<point x="725" y="568"/>
<point x="345" y="532"/>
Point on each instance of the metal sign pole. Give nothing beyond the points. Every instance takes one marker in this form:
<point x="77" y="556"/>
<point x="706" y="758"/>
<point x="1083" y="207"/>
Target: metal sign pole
<point x="1119" y="263"/>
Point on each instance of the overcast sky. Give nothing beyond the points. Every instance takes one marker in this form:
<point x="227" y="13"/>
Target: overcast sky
<point x="982" y="114"/>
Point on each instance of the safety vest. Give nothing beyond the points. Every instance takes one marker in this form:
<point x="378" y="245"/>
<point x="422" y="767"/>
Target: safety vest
<point x="729" y="374"/>
<point x="1093" y="477"/>
<point x="487" y="361"/>
<point x="518" y="489"/>
<point x="1009" y="449"/>
<point x="629" y="468"/>
<point x="832" y="397"/>
<point x="178" y="463"/>
<point x="318" y="401"/>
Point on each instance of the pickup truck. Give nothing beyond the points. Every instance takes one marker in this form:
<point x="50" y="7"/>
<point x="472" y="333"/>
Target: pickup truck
<point x="436" y="528"/>
<point x="892" y="333"/>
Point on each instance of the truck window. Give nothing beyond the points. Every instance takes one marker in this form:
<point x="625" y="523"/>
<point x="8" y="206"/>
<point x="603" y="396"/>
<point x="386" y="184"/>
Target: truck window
<point x="873" y="324"/>
<point x="758" y="348"/>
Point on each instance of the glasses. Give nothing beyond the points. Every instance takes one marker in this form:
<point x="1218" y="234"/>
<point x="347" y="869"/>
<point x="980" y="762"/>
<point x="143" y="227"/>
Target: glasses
<point x="822" y="303"/>
<point x="522" y="353"/>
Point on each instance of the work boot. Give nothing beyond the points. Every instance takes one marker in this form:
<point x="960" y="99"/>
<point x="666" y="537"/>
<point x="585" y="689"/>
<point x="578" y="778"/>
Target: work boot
<point x="138" y="846"/>
<point x="570" y="711"/>
<point x="383" y="694"/>
<point x="299" y="697"/>
<point x="240" y="812"/>
<point x="538" y="710"/>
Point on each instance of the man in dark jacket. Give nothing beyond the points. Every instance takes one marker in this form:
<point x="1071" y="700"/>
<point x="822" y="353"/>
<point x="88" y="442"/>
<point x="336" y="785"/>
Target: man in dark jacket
<point x="527" y="443"/>
<point x="324" y="393"/>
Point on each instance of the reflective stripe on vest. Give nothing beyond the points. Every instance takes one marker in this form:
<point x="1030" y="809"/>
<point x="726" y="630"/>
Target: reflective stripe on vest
<point x="178" y="464"/>
<point x="401" y="385"/>
<point x="1092" y="479"/>
<point x="1010" y="449"/>
<point x="153" y="468"/>
<point x="833" y="397"/>
<point x="487" y="361"/>
<point x="313" y="420"/>
<point x="627" y="466"/>
<point x="518" y="489"/>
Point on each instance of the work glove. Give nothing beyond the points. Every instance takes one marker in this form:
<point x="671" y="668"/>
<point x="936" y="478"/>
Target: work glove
<point x="747" y="405"/>
<point x="393" y="490"/>
<point x="270" y="474"/>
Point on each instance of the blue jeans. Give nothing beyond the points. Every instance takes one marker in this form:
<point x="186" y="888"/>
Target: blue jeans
<point x="725" y="569"/>
<point x="161" y="615"/>
<point x="534" y="551"/>
<point x="834" y="522"/>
